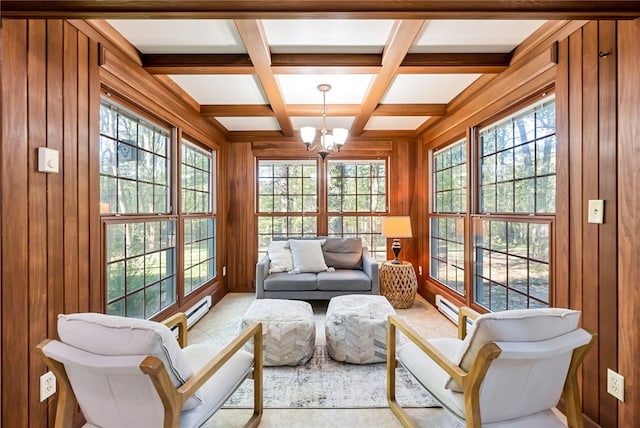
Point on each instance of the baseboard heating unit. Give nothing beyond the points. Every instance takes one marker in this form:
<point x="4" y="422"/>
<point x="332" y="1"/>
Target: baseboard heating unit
<point x="197" y="311"/>
<point x="447" y="308"/>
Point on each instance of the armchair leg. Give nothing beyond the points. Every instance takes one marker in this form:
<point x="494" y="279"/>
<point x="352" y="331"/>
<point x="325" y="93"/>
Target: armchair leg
<point x="392" y="364"/>
<point x="254" y="421"/>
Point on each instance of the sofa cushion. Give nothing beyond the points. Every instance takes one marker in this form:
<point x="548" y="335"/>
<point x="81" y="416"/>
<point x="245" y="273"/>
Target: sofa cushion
<point x="343" y="253"/>
<point x="280" y="259"/>
<point x="344" y="280"/>
<point x="307" y="256"/>
<point x="286" y="282"/>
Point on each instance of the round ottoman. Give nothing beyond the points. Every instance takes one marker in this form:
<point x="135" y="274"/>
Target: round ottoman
<point x="288" y="330"/>
<point x="356" y="328"/>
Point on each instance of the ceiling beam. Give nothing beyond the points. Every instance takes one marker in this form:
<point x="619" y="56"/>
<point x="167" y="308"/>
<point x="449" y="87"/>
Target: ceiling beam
<point x="255" y="41"/>
<point x="232" y="110"/>
<point x="410" y="110"/>
<point x="400" y="41"/>
<point x="254" y="9"/>
<point x="311" y="110"/>
<point x="197" y="63"/>
<point x="413" y="63"/>
<point x="481" y="63"/>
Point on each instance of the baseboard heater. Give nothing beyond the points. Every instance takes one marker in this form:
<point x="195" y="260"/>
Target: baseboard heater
<point x="447" y="308"/>
<point x="197" y="311"/>
<point x="450" y="310"/>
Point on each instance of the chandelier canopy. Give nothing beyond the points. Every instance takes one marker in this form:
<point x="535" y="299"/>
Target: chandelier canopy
<point x="328" y="141"/>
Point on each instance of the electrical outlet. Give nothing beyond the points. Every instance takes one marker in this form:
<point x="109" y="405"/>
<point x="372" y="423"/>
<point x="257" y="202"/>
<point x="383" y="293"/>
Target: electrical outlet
<point x="419" y="270"/>
<point x="47" y="385"/>
<point x="224" y="271"/>
<point x="615" y="384"/>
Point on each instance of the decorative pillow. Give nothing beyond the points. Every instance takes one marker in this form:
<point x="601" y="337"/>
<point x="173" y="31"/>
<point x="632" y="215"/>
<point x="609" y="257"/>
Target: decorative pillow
<point x="521" y="325"/>
<point x="279" y="257"/>
<point x="113" y="335"/>
<point x="343" y="253"/>
<point x="307" y="256"/>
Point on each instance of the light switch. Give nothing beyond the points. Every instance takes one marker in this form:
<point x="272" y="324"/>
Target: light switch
<point x="47" y="160"/>
<point x="596" y="211"/>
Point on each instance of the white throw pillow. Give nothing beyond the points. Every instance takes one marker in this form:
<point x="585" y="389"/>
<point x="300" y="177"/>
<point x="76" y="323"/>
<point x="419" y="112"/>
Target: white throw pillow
<point x="307" y="256"/>
<point x="279" y="257"/>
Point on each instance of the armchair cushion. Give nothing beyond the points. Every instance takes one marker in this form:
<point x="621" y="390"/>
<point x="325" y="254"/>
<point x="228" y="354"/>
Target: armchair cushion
<point x="526" y="325"/>
<point x="116" y="336"/>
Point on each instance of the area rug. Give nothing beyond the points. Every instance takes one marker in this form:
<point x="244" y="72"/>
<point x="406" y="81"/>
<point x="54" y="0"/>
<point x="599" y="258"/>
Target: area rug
<point x="325" y="383"/>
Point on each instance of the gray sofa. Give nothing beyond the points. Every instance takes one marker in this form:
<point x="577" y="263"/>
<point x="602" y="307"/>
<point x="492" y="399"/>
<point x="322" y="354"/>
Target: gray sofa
<point x="356" y="272"/>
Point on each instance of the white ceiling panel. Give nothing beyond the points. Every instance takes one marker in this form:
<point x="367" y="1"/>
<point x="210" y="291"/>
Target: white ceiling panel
<point x="427" y="88"/>
<point x="222" y="88"/>
<point x="249" y="123"/>
<point x="181" y="35"/>
<point x="327" y="35"/>
<point x="303" y="88"/>
<point x="395" y="123"/>
<point x="486" y="36"/>
<point x="332" y="122"/>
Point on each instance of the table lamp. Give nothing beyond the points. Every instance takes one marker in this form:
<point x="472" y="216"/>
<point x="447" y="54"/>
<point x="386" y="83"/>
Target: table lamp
<point x="396" y="227"/>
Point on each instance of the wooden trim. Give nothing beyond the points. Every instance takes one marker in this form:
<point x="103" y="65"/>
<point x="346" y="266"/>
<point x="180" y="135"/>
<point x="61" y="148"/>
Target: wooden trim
<point x="102" y="32"/>
<point x="432" y="9"/>
<point x="197" y="64"/>
<point x="312" y="110"/>
<point x="400" y="40"/>
<point x="232" y="110"/>
<point x="255" y="41"/>
<point x="410" y="110"/>
<point x="177" y="90"/>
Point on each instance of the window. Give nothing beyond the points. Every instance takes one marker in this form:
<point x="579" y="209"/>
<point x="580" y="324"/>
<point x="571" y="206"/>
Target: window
<point x="140" y="268"/>
<point x="141" y="227"/>
<point x="356" y="195"/>
<point x="287" y="200"/>
<point x="447" y="225"/>
<point x="511" y="225"/>
<point x="199" y="222"/>
<point x="134" y="164"/>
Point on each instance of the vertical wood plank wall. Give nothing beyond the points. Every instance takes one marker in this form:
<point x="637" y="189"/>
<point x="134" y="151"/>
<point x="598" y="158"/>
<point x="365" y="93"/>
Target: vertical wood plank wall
<point x="46" y="219"/>
<point x="628" y="219"/>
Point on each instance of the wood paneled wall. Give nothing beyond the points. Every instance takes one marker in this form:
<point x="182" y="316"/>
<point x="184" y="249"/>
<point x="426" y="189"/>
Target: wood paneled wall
<point x="50" y="223"/>
<point x="50" y="229"/>
<point x="596" y="266"/>
<point x="628" y="219"/>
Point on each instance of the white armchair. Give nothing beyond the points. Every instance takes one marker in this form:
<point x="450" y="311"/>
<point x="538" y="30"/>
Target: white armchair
<point x="126" y="372"/>
<point x="509" y="372"/>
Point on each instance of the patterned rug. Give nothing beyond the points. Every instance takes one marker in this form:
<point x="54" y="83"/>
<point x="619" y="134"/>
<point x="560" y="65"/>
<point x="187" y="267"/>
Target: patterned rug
<point x="325" y="383"/>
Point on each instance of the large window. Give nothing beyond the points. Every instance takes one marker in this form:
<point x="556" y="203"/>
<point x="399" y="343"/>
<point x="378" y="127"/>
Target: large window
<point x="357" y="195"/>
<point x="140" y="221"/>
<point x="512" y="219"/>
<point x="199" y="220"/>
<point x="447" y="225"/>
<point x="287" y="200"/>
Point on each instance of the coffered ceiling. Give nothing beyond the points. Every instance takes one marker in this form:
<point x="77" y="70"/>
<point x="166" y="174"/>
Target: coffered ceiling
<point x="253" y="67"/>
<point x="262" y="75"/>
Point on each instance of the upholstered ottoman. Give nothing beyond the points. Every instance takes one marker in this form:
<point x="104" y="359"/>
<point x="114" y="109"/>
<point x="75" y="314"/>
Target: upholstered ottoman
<point x="288" y="330"/>
<point x="356" y="328"/>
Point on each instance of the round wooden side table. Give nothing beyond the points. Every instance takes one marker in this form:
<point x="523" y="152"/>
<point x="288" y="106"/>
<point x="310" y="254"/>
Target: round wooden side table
<point x="398" y="284"/>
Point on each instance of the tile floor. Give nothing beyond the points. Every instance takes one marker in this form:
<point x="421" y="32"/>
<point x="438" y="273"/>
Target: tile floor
<point x="426" y="319"/>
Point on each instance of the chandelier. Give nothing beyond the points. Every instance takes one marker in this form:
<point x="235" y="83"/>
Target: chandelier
<point x="328" y="141"/>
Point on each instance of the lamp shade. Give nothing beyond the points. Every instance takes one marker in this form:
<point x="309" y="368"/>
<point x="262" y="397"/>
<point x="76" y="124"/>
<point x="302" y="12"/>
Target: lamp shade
<point x="396" y="227"/>
<point x="308" y="133"/>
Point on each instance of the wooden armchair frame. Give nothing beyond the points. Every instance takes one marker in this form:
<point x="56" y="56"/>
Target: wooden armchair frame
<point x="472" y="380"/>
<point x="172" y="398"/>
